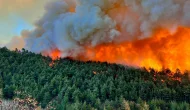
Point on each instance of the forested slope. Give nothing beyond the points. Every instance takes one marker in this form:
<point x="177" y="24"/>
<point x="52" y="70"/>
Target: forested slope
<point x="68" y="84"/>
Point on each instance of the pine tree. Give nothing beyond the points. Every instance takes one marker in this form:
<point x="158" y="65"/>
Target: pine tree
<point x="1" y="82"/>
<point x="8" y="92"/>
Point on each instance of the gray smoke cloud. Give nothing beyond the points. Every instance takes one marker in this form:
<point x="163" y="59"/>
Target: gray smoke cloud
<point x="96" y="22"/>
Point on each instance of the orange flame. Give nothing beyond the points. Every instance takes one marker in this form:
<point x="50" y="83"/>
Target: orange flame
<point x="55" y="54"/>
<point x="163" y="50"/>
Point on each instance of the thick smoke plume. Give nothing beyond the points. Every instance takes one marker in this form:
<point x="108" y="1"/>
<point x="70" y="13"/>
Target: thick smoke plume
<point x="75" y="28"/>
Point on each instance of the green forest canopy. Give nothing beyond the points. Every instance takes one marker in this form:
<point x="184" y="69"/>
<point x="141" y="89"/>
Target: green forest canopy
<point x="69" y="84"/>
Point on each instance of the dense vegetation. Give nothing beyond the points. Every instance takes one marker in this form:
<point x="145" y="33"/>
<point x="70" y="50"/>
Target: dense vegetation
<point x="73" y="85"/>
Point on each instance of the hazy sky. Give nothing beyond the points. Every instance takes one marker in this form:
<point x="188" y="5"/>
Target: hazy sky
<point x="16" y="15"/>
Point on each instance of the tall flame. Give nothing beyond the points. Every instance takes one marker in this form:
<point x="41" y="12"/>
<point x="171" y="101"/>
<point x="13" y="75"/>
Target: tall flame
<point x="163" y="50"/>
<point x="55" y="54"/>
<point x="142" y="33"/>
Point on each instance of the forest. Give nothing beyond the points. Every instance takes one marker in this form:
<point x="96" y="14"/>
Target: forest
<point x="66" y="84"/>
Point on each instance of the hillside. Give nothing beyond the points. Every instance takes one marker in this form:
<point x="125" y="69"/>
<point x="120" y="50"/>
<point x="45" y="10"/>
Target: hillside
<point x="72" y="85"/>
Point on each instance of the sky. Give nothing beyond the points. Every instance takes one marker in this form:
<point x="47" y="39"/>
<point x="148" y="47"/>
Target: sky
<point x="16" y="15"/>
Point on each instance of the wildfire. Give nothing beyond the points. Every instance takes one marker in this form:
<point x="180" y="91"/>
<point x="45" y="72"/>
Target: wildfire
<point x="55" y="54"/>
<point x="163" y="50"/>
<point x="141" y="33"/>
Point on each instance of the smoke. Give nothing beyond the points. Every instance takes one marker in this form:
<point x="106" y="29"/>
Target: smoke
<point x="72" y="25"/>
<point x="16" y="42"/>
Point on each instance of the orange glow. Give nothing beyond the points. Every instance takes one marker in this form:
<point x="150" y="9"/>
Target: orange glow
<point x="51" y="64"/>
<point x="94" y="72"/>
<point x="72" y="9"/>
<point x="162" y="50"/>
<point x="55" y="54"/>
